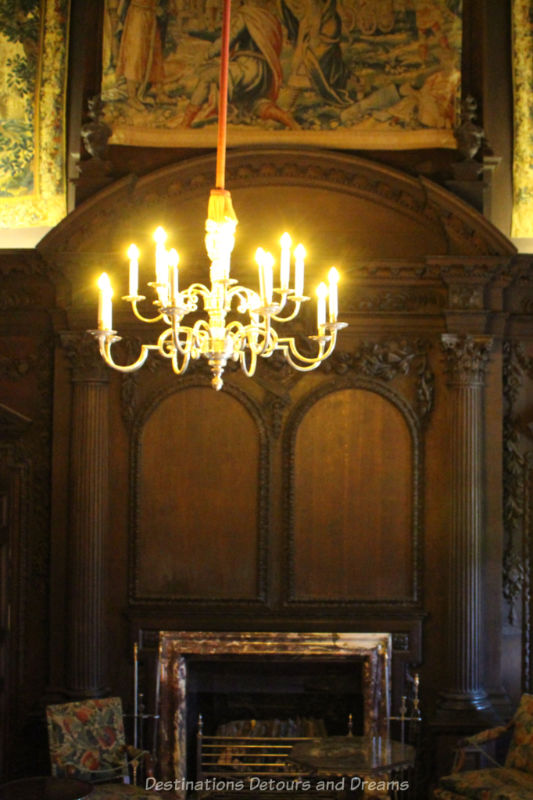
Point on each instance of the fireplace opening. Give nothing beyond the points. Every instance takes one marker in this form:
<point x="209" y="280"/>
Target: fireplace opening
<point x="272" y="697"/>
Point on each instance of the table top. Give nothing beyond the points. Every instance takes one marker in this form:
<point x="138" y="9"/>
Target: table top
<point x="352" y="755"/>
<point x="45" y="788"/>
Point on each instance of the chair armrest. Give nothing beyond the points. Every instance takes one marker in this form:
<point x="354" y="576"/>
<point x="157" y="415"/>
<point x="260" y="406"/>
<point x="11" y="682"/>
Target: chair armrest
<point x="477" y="741"/>
<point x="489" y="735"/>
<point x="75" y="770"/>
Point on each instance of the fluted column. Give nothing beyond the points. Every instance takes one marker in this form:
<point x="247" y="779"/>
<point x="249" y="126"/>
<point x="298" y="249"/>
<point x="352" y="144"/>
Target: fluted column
<point x="88" y="518"/>
<point x="467" y="358"/>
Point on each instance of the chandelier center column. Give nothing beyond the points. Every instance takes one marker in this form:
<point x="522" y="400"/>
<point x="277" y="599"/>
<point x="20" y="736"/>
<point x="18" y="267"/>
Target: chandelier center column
<point x="466" y="361"/>
<point x="88" y="517"/>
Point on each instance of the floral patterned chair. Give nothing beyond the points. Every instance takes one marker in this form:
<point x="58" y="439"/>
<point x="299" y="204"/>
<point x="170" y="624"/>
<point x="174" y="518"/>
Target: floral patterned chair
<point x="86" y="741"/>
<point x="511" y="781"/>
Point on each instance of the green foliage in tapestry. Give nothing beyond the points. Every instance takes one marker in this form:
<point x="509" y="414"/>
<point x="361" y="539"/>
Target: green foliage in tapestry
<point x="19" y="22"/>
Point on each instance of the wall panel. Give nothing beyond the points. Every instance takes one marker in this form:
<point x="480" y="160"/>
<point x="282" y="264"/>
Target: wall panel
<point x="197" y="504"/>
<point x="353" y="500"/>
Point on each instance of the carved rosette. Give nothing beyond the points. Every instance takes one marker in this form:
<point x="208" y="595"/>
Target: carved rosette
<point x="88" y="494"/>
<point x="466" y="360"/>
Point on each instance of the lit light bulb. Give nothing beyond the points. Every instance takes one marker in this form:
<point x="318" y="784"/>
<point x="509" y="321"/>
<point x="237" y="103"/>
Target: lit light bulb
<point x="299" y="255"/>
<point x="268" y="279"/>
<point x="333" y="277"/>
<point x="285" y="263"/>
<point x="173" y="261"/>
<point x="105" y="309"/>
<point x="160" y="235"/>
<point x="133" y="255"/>
<point x="321" y="293"/>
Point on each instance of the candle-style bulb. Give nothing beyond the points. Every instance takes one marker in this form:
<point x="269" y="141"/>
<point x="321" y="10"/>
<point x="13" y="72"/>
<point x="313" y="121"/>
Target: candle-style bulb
<point x="173" y="260"/>
<point x="333" y="277"/>
<point x="105" y="310"/>
<point x="299" y="255"/>
<point x="268" y="270"/>
<point x="321" y="293"/>
<point x="103" y="282"/>
<point x="133" y="255"/>
<point x="285" y="262"/>
<point x="160" y="235"/>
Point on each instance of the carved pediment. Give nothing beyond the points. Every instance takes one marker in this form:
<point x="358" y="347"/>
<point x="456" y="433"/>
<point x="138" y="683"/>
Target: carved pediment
<point x="346" y="210"/>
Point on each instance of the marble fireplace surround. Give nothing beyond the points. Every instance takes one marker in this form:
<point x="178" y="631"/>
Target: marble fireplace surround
<point x="176" y="647"/>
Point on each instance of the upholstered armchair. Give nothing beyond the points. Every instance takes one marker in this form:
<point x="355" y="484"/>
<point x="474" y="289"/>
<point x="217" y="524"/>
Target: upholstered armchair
<point x="87" y="741"/>
<point x="512" y="780"/>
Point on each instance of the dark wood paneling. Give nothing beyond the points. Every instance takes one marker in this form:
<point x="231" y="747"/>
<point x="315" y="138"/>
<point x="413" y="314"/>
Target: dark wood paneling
<point x="198" y="499"/>
<point x="353" y="500"/>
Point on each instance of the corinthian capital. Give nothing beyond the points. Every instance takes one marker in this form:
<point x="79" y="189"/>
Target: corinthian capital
<point x="466" y="358"/>
<point x="83" y="357"/>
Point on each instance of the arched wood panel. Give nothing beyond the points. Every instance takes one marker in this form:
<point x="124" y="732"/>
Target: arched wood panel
<point x="353" y="501"/>
<point x="198" y="499"/>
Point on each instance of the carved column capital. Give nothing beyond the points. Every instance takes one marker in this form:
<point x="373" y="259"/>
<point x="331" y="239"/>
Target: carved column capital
<point x="83" y="357"/>
<point x="467" y="358"/>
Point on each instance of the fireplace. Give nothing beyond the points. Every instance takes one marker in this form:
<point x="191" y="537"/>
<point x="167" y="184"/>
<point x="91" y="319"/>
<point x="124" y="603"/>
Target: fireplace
<point x="231" y="677"/>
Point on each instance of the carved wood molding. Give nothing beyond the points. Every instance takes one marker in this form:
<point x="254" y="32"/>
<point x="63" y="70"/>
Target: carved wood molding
<point x="154" y="397"/>
<point x="419" y="199"/>
<point x="15" y="369"/>
<point x="389" y="359"/>
<point x="517" y="367"/>
<point x="23" y="262"/>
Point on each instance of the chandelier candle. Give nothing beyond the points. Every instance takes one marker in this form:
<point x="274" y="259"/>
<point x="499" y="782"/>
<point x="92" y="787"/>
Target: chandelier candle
<point x="105" y="308"/>
<point x="133" y="253"/>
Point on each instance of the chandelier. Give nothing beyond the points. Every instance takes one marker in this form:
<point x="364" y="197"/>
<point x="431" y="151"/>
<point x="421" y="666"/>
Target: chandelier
<point x="212" y="335"/>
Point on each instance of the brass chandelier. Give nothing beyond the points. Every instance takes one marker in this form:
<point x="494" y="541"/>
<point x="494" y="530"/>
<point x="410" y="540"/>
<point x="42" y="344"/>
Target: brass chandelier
<point x="211" y="335"/>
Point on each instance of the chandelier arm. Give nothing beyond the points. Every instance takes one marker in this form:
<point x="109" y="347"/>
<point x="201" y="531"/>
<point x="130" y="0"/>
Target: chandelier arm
<point x="304" y="363"/>
<point x="177" y="329"/>
<point x="192" y="292"/>
<point x="172" y="349"/>
<point x="299" y="367"/>
<point x="200" y="334"/>
<point x="248" y="299"/>
<point x="176" y="367"/>
<point x="106" y="339"/>
<point x="292" y="315"/>
<point x="248" y="366"/>
<point x="269" y="335"/>
<point x="138" y="314"/>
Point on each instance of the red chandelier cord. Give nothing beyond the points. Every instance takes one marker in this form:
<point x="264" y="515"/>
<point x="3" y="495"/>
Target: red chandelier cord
<point x="223" y="98"/>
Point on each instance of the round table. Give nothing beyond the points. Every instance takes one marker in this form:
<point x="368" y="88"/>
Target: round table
<point x="45" y="788"/>
<point x="362" y="762"/>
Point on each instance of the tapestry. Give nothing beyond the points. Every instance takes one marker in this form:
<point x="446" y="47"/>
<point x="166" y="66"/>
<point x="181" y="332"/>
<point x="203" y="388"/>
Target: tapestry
<point x="380" y="74"/>
<point x="33" y="60"/>
<point x="522" y="44"/>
